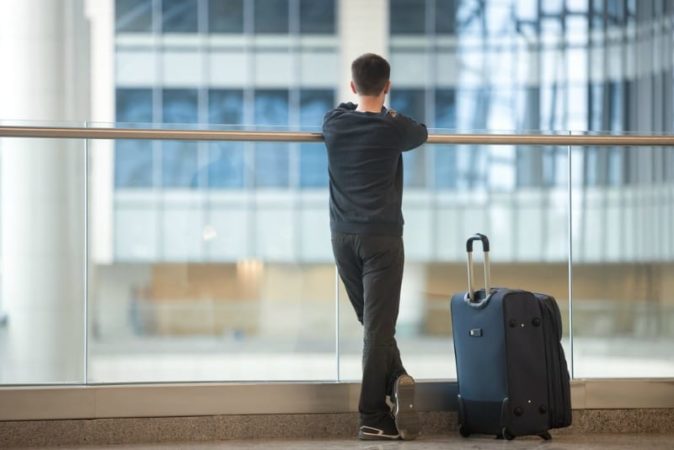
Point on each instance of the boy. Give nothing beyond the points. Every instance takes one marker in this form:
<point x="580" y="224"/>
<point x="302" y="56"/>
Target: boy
<point x="365" y="144"/>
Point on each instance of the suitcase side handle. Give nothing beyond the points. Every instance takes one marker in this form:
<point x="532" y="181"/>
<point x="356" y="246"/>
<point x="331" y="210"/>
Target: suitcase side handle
<point x="470" y="295"/>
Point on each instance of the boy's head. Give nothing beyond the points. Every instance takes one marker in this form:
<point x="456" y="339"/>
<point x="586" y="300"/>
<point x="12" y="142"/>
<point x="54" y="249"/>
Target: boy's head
<point x="370" y="74"/>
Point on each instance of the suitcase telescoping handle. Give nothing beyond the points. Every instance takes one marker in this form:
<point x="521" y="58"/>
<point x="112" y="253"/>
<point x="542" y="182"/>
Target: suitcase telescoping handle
<point x="470" y="295"/>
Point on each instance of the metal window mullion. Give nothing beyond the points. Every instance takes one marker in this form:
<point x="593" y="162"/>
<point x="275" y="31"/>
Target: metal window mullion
<point x="86" y="261"/>
<point x="570" y="257"/>
<point x="203" y="117"/>
<point x="158" y="117"/>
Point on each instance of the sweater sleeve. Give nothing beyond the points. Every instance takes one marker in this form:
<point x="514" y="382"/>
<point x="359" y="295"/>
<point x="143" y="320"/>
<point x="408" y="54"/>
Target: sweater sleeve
<point x="413" y="134"/>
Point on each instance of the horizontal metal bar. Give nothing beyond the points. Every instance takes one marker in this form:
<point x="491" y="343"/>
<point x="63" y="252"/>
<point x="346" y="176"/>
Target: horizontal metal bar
<point x="158" y="134"/>
<point x="292" y="136"/>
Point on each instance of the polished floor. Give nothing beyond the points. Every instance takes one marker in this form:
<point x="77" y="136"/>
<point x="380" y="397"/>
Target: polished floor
<point x="563" y="442"/>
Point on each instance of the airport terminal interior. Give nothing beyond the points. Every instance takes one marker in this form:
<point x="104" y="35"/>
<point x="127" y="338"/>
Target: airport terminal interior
<point x="168" y="283"/>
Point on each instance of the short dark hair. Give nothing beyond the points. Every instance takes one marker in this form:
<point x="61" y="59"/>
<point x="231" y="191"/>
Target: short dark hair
<point x="370" y="73"/>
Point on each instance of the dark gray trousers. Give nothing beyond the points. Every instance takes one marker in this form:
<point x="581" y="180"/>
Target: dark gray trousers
<point x="371" y="268"/>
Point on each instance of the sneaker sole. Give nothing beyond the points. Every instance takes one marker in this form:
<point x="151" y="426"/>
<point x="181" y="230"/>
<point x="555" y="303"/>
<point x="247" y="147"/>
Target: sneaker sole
<point x="377" y="437"/>
<point x="406" y="418"/>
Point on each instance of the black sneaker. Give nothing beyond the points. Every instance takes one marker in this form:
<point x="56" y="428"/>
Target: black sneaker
<point x="383" y="429"/>
<point x="406" y="419"/>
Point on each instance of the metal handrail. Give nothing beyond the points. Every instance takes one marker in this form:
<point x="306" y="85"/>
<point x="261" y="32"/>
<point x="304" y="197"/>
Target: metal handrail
<point x="297" y="136"/>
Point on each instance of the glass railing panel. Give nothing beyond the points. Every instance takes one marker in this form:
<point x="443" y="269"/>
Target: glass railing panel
<point x="623" y="261"/>
<point x="518" y="196"/>
<point x="42" y="254"/>
<point x="208" y="270"/>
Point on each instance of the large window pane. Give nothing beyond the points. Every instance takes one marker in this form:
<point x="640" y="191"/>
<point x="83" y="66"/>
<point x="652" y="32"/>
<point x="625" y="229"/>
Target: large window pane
<point x="179" y="16"/>
<point x="219" y="286"/>
<point x="272" y="163"/>
<point x="179" y="158"/>
<point x="133" y="16"/>
<point x="317" y="16"/>
<point x="133" y="159"/>
<point x="623" y="255"/>
<point x="271" y="16"/>
<point x="225" y="16"/>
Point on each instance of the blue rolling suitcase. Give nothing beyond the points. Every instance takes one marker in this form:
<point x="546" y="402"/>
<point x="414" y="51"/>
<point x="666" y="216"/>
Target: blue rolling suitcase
<point x="512" y="374"/>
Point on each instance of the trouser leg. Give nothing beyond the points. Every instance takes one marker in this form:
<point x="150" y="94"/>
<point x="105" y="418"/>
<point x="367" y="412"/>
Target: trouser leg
<point x="383" y="260"/>
<point x="371" y="269"/>
<point x="350" y="269"/>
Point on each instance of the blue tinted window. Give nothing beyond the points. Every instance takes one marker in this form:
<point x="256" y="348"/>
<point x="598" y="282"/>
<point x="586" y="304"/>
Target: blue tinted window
<point x="408" y="16"/>
<point x="225" y="106"/>
<point x="133" y="16"/>
<point x="134" y="106"/>
<point x="271" y="159"/>
<point x="179" y="106"/>
<point x="179" y="16"/>
<point x="444" y="155"/>
<point x="445" y="108"/>
<point x="179" y="158"/>
<point x="225" y="159"/>
<point x="271" y="16"/>
<point x="133" y="159"/>
<point x="445" y="16"/>
<point x="445" y="166"/>
<point x="314" y="103"/>
<point x="225" y="16"/>
<point x="411" y="102"/>
<point x="317" y="16"/>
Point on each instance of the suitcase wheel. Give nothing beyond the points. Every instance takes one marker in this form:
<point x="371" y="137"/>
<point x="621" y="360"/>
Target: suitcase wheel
<point x="506" y="434"/>
<point x="546" y="436"/>
<point x="463" y="431"/>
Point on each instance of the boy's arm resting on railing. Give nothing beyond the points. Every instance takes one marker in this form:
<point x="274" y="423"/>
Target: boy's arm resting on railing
<point x="412" y="133"/>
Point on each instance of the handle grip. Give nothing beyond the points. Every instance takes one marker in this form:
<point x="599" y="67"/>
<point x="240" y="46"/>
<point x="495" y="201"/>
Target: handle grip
<point x="470" y="295"/>
<point x="477" y="237"/>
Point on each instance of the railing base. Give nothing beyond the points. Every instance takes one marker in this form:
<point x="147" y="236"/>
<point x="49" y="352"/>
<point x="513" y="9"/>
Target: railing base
<point x="286" y="426"/>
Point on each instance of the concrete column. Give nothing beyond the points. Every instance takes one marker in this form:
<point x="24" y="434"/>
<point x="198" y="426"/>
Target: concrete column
<point x="363" y="28"/>
<point x="101" y="16"/>
<point x="42" y="245"/>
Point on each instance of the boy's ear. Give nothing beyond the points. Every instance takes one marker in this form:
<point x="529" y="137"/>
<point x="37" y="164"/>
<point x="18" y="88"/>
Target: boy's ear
<point x="353" y="87"/>
<point x="387" y="88"/>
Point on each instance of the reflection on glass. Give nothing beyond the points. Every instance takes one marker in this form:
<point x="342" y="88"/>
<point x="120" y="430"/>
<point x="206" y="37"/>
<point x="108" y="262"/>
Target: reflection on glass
<point x="133" y="16"/>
